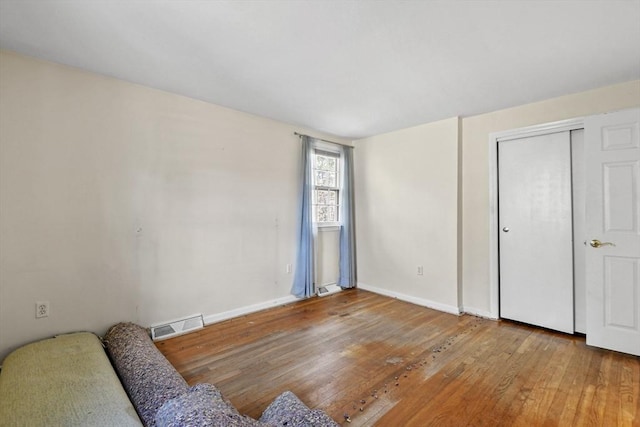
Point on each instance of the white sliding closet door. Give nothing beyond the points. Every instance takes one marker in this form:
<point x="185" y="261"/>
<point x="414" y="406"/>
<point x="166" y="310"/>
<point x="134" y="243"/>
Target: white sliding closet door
<point x="536" y="248"/>
<point x="578" y="173"/>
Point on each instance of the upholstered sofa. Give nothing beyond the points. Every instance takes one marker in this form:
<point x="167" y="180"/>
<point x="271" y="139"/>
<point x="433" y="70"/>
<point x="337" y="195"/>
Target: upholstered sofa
<point x="70" y="380"/>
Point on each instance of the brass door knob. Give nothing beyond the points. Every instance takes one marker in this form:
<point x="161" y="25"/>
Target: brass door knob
<point x="595" y="243"/>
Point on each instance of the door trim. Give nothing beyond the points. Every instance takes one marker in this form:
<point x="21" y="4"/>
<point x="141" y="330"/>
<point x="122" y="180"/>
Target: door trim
<point x="494" y="138"/>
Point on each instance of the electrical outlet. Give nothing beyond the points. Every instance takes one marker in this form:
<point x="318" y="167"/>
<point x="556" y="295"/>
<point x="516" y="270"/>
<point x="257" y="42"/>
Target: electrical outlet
<point x="42" y="309"/>
<point x="420" y="270"/>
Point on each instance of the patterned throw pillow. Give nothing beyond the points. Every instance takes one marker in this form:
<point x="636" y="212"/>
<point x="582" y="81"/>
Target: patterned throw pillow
<point x="288" y="410"/>
<point x="202" y="406"/>
<point x="147" y="376"/>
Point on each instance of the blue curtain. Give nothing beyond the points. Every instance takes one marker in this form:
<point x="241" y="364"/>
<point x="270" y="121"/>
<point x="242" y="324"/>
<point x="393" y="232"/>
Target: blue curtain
<point x="347" y="277"/>
<point x="303" y="286"/>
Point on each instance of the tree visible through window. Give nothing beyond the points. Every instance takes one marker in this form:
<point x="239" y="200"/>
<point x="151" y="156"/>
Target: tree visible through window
<point x="326" y="187"/>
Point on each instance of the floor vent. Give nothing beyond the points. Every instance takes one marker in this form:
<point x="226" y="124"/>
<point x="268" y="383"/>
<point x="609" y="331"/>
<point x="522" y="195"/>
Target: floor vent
<point x="323" y="291"/>
<point x="177" y="327"/>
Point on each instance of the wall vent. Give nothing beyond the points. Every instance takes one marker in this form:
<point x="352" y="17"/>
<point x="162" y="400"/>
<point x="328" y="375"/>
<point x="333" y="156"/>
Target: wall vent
<point x="177" y="327"/>
<point x="323" y="291"/>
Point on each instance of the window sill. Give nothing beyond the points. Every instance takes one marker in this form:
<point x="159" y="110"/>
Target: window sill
<point x="333" y="226"/>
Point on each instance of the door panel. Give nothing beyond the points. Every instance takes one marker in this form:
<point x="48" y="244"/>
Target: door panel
<point x="620" y="287"/>
<point x="612" y="157"/>
<point x="536" y="248"/>
<point x="618" y="187"/>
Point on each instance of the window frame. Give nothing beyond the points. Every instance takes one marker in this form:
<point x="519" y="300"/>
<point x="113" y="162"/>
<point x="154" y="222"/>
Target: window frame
<point x="330" y="151"/>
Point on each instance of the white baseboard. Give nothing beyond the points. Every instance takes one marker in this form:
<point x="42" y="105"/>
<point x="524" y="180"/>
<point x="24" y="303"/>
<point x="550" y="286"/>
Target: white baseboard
<point x="225" y="315"/>
<point x="219" y="317"/>
<point x="414" y="300"/>
<point x="479" y="313"/>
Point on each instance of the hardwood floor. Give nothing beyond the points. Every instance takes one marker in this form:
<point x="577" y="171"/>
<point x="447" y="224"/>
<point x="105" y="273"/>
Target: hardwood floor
<point x="385" y="362"/>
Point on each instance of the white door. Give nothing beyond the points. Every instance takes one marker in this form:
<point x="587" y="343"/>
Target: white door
<point x="536" y="254"/>
<point x="612" y="157"/>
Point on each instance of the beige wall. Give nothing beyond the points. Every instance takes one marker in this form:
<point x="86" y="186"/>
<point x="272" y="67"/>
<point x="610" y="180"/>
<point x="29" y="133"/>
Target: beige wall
<point x="406" y="213"/>
<point x="406" y="183"/>
<point x="327" y="253"/>
<point x="120" y="202"/>
<point x="475" y="171"/>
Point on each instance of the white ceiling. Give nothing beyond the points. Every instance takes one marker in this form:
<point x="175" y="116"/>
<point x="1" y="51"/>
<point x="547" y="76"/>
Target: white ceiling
<point x="349" y="68"/>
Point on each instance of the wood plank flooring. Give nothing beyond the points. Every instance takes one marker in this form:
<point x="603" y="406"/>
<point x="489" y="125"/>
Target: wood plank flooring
<point x="385" y="362"/>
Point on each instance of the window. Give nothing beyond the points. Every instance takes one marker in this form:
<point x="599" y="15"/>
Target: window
<point x="326" y="187"/>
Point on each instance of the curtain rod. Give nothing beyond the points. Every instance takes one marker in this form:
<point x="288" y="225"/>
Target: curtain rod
<point x="323" y="140"/>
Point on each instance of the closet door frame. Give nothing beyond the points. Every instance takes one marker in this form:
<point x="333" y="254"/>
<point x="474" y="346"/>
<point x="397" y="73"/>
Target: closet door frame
<point x="494" y="138"/>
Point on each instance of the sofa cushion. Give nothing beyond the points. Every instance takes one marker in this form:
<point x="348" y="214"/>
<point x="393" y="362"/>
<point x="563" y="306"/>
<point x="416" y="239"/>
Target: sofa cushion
<point x="63" y="381"/>
<point x="288" y="410"/>
<point x="202" y="406"/>
<point x="147" y="376"/>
